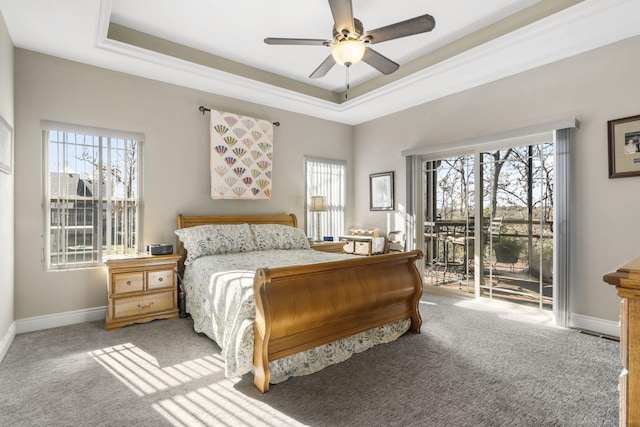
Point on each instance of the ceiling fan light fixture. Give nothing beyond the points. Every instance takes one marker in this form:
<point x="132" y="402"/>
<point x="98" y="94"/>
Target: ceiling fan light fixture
<point x="348" y="52"/>
<point x="349" y="43"/>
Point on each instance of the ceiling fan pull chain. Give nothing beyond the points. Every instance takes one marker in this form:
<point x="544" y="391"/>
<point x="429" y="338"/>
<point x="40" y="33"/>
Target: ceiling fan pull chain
<point x="346" y="94"/>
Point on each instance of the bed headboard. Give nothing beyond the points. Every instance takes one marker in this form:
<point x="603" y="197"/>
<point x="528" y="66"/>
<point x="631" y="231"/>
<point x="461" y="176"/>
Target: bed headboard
<point x="185" y="221"/>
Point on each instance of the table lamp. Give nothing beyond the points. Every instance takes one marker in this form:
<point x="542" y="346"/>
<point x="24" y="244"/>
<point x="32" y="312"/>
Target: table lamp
<point x="318" y="204"/>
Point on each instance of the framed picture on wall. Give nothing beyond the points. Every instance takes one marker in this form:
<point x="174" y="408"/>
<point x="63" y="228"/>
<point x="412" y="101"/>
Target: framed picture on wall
<point x="624" y="147"/>
<point x="6" y="146"/>
<point x="381" y="191"/>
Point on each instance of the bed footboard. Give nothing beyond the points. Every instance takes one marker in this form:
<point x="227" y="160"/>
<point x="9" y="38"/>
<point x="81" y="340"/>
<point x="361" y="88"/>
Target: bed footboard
<point x="302" y="307"/>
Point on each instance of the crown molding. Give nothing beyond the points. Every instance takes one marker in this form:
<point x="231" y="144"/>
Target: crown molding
<point x="561" y="35"/>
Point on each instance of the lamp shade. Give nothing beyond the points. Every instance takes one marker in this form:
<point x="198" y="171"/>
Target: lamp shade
<point x="348" y="52"/>
<point x="318" y="204"/>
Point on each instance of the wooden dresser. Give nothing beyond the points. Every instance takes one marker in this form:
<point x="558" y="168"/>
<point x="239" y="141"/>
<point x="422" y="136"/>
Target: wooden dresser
<point x="141" y="288"/>
<point x="627" y="281"/>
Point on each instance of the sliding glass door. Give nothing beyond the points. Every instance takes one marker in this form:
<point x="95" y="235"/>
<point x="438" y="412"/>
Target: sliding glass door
<point x="518" y="200"/>
<point x="449" y="221"/>
<point x="488" y="223"/>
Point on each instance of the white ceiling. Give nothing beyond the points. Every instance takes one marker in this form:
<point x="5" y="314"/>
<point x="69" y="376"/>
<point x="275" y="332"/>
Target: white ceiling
<point x="217" y="46"/>
<point x="236" y="29"/>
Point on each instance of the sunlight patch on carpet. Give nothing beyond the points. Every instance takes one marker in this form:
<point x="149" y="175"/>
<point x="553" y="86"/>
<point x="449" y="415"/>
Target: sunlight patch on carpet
<point x="510" y="311"/>
<point x="220" y="404"/>
<point x="142" y="373"/>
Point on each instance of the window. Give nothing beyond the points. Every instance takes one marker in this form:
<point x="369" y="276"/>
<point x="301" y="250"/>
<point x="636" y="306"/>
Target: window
<point x="506" y="206"/>
<point x="558" y="214"/>
<point x="92" y="194"/>
<point x="326" y="178"/>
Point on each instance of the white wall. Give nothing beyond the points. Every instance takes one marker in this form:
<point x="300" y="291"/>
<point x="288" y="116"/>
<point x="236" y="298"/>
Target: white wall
<point x="6" y="196"/>
<point x="594" y="87"/>
<point x="176" y="163"/>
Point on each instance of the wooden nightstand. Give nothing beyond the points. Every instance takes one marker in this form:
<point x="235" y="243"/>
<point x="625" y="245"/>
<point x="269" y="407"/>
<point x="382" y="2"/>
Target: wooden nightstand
<point x="335" y="247"/>
<point x="141" y="288"/>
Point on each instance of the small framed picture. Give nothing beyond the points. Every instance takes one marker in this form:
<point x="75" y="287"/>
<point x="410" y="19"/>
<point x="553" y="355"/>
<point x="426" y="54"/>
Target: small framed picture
<point x="381" y="191"/>
<point x="6" y="146"/>
<point x="624" y="147"/>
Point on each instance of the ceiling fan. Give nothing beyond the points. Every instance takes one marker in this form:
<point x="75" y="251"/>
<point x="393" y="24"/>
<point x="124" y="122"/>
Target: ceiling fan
<point x="349" y="44"/>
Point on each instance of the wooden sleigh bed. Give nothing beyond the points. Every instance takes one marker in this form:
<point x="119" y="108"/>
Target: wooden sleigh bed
<point x="304" y="306"/>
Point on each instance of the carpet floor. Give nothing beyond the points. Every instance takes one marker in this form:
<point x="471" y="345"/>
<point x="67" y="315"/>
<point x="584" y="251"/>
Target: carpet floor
<point x="474" y="364"/>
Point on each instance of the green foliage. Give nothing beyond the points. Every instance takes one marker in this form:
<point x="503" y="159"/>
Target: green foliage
<point x="508" y="249"/>
<point x="547" y="261"/>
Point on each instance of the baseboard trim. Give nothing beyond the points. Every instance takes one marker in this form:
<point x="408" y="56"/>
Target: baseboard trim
<point x="6" y="341"/>
<point x="32" y="324"/>
<point x="38" y="323"/>
<point x="594" y="324"/>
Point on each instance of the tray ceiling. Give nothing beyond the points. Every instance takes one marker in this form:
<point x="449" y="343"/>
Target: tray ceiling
<point x="218" y="46"/>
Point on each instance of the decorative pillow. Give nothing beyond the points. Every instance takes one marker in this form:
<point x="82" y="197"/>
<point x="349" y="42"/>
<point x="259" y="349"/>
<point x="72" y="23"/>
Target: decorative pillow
<point x="277" y="236"/>
<point x="214" y="239"/>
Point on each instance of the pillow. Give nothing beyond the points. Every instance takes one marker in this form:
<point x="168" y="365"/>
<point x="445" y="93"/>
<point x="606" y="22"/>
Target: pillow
<point x="215" y="239"/>
<point x="278" y="236"/>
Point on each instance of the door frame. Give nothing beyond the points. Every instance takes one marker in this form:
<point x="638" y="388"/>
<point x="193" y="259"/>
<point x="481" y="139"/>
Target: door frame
<point x="560" y="133"/>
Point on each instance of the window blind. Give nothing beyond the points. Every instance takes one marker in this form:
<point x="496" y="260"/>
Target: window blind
<point x="326" y="178"/>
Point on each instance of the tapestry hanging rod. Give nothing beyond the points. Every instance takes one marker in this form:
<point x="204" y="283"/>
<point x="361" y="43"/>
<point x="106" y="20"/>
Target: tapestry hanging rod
<point x="205" y="109"/>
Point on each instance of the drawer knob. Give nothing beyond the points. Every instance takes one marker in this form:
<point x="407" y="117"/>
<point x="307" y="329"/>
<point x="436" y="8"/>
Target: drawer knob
<point x="143" y="307"/>
<point x="159" y="279"/>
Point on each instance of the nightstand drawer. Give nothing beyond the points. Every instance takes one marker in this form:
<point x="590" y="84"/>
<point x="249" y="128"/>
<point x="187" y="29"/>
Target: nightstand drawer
<point x="128" y="282"/>
<point x="159" y="279"/>
<point x="141" y="305"/>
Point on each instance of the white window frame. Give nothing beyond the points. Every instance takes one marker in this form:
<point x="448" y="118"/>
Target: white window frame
<point x="101" y="200"/>
<point x="332" y="222"/>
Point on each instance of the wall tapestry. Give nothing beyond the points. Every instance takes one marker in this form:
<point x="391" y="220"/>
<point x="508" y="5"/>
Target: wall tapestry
<point x="241" y="156"/>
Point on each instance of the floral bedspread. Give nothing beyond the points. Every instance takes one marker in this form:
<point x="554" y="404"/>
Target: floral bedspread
<point x="220" y="300"/>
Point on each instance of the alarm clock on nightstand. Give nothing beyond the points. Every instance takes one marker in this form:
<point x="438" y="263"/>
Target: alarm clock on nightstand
<point x="160" y="249"/>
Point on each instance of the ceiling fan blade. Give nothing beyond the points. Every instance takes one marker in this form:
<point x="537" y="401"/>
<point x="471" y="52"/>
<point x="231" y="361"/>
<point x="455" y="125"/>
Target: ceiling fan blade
<point x="324" y="68"/>
<point x="286" y="41"/>
<point x="417" y="25"/>
<point x="342" y="12"/>
<point x="379" y="62"/>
